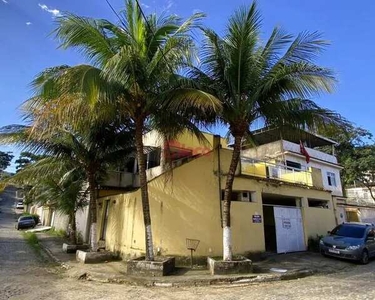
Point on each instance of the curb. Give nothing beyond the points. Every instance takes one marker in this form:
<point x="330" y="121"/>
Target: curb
<point x="209" y="281"/>
<point x="53" y="257"/>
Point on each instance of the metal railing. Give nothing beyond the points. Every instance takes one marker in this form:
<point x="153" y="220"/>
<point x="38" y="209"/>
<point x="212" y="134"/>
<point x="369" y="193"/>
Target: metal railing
<point x="264" y="169"/>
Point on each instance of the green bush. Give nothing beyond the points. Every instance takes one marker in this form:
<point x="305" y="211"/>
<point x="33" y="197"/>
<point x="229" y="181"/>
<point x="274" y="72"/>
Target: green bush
<point x="59" y="233"/>
<point x="313" y="243"/>
<point x="35" y="217"/>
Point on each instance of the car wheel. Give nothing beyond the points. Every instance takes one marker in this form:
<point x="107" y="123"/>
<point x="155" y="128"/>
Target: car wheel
<point x="364" y="257"/>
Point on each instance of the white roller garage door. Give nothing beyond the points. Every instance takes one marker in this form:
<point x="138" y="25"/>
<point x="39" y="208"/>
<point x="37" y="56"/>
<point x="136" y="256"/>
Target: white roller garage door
<point x="289" y="229"/>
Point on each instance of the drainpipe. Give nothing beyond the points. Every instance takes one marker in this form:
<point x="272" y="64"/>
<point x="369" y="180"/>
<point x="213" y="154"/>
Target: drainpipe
<point x="217" y="146"/>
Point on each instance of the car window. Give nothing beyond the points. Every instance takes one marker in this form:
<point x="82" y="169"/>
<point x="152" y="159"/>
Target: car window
<point x="26" y="218"/>
<point x="349" y="231"/>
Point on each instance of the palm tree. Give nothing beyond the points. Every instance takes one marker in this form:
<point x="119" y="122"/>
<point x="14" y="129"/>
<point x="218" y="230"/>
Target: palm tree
<point x="136" y="66"/>
<point x="273" y="82"/>
<point x="55" y="182"/>
<point x="91" y="149"/>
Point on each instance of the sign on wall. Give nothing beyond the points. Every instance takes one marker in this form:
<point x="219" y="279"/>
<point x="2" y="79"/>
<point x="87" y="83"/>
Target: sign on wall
<point x="257" y="219"/>
<point x="286" y="223"/>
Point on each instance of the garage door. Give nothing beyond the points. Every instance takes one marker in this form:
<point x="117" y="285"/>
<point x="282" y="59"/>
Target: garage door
<point x="289" y="229"/>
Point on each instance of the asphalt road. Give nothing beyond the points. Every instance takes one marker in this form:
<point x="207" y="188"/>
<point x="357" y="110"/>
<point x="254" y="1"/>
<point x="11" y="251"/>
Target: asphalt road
<point x="25" y="275"/>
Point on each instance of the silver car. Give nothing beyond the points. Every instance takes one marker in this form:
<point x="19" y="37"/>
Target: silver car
<point x="354" y="241"/>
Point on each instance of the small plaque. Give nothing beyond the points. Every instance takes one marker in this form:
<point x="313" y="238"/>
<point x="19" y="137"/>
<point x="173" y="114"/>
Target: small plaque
<point x="287" y="224"/>
<point x="257" y="219"/>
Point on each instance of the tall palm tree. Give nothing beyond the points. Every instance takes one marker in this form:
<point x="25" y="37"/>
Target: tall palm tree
<point x="272" y="82"/>
<point x="136" y="66"/>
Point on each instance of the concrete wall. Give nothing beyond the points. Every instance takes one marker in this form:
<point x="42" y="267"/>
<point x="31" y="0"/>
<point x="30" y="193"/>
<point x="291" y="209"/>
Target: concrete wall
<point x="82" y="220"/>
<point x="264" y="152"/>
<point x="60" y="221"/>
<point x="185" y="204"/>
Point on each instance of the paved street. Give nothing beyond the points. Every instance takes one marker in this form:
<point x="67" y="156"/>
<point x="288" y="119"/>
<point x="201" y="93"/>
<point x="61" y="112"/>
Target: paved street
<point x="24" y="275"/>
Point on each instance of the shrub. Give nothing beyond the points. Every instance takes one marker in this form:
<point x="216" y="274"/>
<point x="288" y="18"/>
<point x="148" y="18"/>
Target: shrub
<point x="35" y="217"/>
<point x="313" y="243"/>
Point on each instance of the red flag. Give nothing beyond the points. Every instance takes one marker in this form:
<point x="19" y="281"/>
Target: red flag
<point x="304" y="151"/>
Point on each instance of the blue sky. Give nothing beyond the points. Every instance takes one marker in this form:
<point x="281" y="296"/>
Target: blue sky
<point x="26" y="48"/>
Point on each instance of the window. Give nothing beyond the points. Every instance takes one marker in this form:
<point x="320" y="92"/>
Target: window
<point x="153" y="158"/>
<point x="331" y="179"/>
<point x="293" y="164"/>
<point x="318" y="203"/>
<point x="244" y="196"/>
<point x="352" y="231"/>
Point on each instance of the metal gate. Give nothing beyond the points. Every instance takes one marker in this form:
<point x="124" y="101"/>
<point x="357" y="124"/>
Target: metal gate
<point x="289" y="229"/>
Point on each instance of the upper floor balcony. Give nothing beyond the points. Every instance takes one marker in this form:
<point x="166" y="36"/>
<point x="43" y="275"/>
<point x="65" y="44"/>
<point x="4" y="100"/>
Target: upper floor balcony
<point x="276" y="144"/>
<point x="264" y="169"/>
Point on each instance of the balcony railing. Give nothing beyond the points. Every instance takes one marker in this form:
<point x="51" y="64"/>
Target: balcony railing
<point x="270" y="170"/>
<point x="289" y="146"/>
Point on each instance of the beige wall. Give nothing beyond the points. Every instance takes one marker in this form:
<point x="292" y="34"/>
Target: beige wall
<point x="185" y="204"/>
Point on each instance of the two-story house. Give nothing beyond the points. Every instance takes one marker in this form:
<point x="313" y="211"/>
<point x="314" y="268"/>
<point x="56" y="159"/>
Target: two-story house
<point x="284" y="192"/>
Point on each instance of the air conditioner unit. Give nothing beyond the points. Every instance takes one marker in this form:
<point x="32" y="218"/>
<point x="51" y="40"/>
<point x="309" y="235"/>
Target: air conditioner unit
<point x="246" y="196"/>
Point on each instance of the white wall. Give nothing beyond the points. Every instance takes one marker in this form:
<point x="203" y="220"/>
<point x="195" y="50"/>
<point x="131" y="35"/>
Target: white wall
<point x="289" y="146"/>
<point x="82" y="222"/>
<point x="60" y="221"/>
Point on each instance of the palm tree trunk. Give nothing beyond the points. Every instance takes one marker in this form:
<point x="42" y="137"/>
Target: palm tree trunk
<point x="144" y="189"/>
<point x="93" y="216"/>
<point x="227" y="231"/>
<point x="73" y="228"/>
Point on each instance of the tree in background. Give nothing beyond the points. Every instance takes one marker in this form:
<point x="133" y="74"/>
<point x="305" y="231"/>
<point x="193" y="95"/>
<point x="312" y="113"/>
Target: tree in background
<point x="356" y="153"/>
<point x="5" y="159"/>
<point x="25" y="159"/>
<point x="272" y="82"/>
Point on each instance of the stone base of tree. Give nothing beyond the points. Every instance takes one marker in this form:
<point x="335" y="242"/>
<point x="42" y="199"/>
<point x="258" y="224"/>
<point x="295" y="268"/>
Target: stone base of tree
<point x="95" y="257"/>
<point x="161" y="266"/>
<point x="239" y="265"/>
<point x="71" y="248"/>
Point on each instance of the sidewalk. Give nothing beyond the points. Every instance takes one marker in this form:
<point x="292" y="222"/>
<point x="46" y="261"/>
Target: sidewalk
<point x="275" y="268"/>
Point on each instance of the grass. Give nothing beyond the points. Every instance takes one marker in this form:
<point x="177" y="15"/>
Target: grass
<point x="59" y="233"/>
<point x="32" y="241"/>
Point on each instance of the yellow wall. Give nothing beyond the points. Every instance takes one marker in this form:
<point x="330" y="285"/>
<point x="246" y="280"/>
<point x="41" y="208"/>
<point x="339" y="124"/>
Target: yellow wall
<point x="185" y="204"/>
<point x="298" y="177"/>
<point x="318" y="221"/>
<point x="256" y="169"/>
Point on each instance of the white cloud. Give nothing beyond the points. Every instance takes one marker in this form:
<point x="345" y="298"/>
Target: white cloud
<point x="55" y="12"/>
<point x="170" y="3"/>
<point x="145" y="5"/>
<point x="28" y="23"/>
<point x="5" y="1"/>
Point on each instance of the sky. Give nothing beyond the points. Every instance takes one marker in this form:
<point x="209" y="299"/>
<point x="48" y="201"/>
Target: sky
<point x="27" y="46"/>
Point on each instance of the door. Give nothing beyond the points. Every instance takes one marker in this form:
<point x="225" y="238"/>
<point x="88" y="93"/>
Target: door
<point x="289" y="229"/>
<point x="105" y="221"/>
